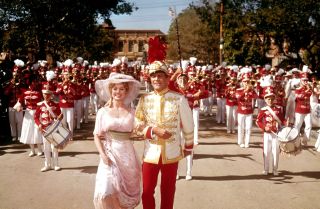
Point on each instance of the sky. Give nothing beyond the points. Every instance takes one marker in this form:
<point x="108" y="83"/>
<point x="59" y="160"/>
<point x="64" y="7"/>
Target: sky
<point x="151" y="15"/>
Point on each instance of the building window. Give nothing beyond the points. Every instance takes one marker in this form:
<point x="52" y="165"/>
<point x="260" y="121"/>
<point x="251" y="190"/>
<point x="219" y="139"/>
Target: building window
<point x="121" y="44"/>
<point x="141" y="46"/>
<point x="131" y="45"/>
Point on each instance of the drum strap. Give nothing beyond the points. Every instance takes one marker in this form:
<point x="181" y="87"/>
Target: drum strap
<point x="274" y="115"/>
<point x="49" y="109"/>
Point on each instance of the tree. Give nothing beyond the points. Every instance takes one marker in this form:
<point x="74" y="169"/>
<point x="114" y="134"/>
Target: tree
<point x="251" y="26"/>
<point x="195" y="38"/>
<point x="62" y="27"/>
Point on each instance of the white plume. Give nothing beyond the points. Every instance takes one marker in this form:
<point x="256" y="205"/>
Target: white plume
<point x="80" y="60"/>
<point x="193" y="60"/>
<point x="184" y="65"/>
<point x="50" y="75"/>
<point x="59" y="64"/>
<point x="266" y="81"/>
<point x="116" y="62"/>
<point x="295" y="82"/>
<point x="280" y="71"/>
<point x="235" y="68"/>
<point x="19" y="63"/>
<point x="124" y="59"/>
<point x="245" y="70"/>
<point x="267" y="67"/>
<point x="68" y="63"/>
<point x="306" y="69"/>
<point x="85" y="63"/>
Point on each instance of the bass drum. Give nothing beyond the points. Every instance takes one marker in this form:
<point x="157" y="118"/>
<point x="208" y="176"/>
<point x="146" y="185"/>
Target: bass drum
<point x="315" y="114"/>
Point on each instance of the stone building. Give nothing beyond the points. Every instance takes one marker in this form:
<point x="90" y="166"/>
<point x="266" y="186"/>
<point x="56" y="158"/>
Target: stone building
<point x="134" y="43"/>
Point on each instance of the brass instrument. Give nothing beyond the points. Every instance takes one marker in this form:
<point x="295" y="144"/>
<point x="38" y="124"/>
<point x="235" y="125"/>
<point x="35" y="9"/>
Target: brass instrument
<point x="253" y="82"/>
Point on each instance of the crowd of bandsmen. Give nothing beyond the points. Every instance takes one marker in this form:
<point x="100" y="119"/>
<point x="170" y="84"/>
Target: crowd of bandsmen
<point x="236" y="91"/>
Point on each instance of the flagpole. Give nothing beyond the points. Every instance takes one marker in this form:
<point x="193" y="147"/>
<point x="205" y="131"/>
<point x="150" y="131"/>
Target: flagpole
<point x="173" y="14"/>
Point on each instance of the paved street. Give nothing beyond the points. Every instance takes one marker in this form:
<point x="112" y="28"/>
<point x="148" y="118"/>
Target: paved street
<point x="225" y="176"/>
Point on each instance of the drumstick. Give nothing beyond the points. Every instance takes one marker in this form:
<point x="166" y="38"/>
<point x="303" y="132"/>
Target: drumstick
<point x="289" y="132"/>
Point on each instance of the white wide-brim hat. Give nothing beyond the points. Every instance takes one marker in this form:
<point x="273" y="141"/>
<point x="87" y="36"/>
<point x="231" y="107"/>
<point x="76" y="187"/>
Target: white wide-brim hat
<point x="103" y="91"/>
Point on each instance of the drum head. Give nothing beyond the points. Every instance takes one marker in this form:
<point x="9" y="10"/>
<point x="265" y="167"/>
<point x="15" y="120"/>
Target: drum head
<point x="288" y="134"/>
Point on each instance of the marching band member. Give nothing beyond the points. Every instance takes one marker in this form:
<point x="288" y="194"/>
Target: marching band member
<point x="245" y="96"/>
<point x="163" y="115"/>
<point x="231" y="103"/>
<point x="29" y="133"/>
<point x="303" y="109"/>
<point x="45" y="114"/>
<point x="195" y="92"/>
<point x="279" y="92"/>
<point x="181" y="86"/>
<point x="270" y="119"/>
<point x="290" y="88"/>
<point x="13" y="91"/>
<point x="93" y="94"/>
<point x="85" y="99"/>
<point x="77" y="82"/>
<point x="205" y="80"/>
<point x="66" y="92"/>
<point x="220" y="85"/>
<point x="315" y="89"/>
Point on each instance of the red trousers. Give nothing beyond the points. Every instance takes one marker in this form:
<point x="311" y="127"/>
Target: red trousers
<point x="167" y="188"/>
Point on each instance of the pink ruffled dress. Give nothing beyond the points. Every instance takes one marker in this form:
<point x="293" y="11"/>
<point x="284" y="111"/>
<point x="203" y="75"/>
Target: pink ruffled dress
<point x="117" y="185"/>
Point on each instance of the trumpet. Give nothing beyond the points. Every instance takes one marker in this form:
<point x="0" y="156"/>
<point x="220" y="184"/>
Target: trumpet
<point x="253" y="82"/>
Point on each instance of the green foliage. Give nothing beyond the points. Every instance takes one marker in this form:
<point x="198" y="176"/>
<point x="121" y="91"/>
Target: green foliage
<point x="62" y="28"/>
<point x="249" y="25"/>
<point x="196" y="38"/>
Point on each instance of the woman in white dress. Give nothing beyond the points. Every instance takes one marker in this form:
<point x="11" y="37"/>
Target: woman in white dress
<point x="30" y="133"/>
<point x="119" y="173"/>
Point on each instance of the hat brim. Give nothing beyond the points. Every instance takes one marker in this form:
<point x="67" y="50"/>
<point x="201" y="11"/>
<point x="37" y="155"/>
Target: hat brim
<point x="103" y="91"/>
<point x="46" y="92"/>
<point x="269" y="95"/>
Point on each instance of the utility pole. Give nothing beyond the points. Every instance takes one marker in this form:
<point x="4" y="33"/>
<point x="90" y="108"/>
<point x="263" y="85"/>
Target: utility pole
<point x="173" y="14"/>
<point x="221" y="33"/>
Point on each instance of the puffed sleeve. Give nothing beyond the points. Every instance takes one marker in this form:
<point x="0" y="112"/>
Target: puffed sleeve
<point x="97" y="127"/>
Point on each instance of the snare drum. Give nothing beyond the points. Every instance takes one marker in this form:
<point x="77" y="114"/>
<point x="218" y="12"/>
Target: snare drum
<point x="289" y="142"/>
<point x="57" y="134"/>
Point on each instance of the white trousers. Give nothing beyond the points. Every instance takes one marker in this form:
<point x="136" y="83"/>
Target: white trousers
<point x="317" y="144"/>
<point x="189" y="158"/>
<point x="290" y="108"/>
<point x="306" y="118"/>
<point x="77" y="112"/>
<point x="195" y="112"/>
<point x="94" y="103"/>
<point x="221" y="110"/>
<point x="85" y="108"/>
<point x="15" y="119"/>
<point x="68" y="118"/>
<point x="270" y="148"/>
<point x="50" y="153"/>
<point x="206" y="105"/>
<point x="244" y="128"/>
<point x="231" y="117"/>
